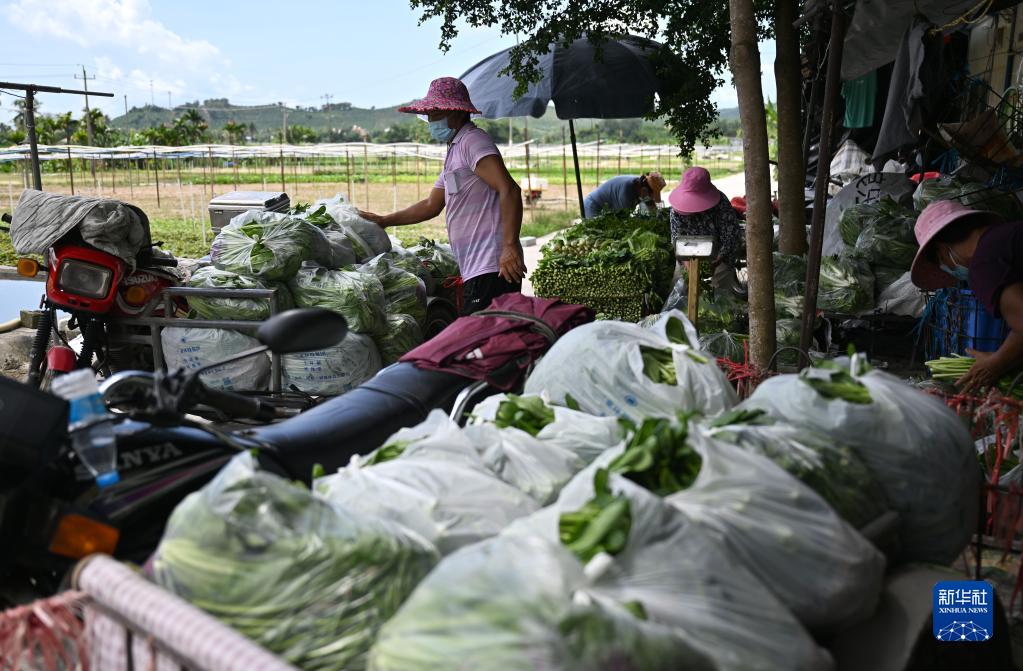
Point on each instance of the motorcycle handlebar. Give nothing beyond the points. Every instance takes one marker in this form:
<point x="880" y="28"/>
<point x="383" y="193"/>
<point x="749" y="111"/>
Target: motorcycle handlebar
<point x="237" y="405"/>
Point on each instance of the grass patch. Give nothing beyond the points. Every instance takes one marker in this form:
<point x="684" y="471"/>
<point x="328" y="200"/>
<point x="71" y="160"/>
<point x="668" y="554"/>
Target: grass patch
<point x="544" y="222"/>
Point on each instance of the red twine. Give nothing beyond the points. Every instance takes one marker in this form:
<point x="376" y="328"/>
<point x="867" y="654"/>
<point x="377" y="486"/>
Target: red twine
<point x="455" y="282"/>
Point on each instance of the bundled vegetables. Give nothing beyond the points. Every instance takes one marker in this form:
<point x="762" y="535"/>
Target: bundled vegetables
<point x="359" y="297"/>
<point x="950" y="368"/>
<point x="918" y="449"/>
<point x="437" y="258"/>
<point x="267" y="245"/>
<point x="309" y="580"/>
<point x="832" y="470"/>
<point x="658" y="457"/>
<point x="846" y="286"/>
<point x="245" y="309"/>
<point x="366" y="238"/>
<point x="403" y="335"/>
<point x="971" y="194"/>
<point x="617" y="369"/>
<point x="404" y="293"/>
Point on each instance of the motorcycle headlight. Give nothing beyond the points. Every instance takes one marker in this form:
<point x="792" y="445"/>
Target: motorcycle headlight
<point x="84" y="279"/>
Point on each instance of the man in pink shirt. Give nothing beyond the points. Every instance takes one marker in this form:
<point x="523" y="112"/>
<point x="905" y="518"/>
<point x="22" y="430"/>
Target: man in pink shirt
<point x="484" y="204"/>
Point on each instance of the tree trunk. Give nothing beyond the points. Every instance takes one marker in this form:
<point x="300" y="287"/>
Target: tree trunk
<point x="791" y="171"/>
<point x="745" y="63"/>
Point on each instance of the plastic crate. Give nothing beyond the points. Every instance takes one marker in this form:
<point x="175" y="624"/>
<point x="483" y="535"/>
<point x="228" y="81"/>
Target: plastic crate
<point x="956" y="321"/>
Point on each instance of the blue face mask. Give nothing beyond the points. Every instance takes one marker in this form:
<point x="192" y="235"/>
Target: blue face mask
<point x="958" y="272"/>
<point x="440" y="132"/>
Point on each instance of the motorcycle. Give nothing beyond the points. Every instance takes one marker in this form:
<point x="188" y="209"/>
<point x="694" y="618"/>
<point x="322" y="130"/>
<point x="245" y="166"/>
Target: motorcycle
<point x="96" y="288"/>
<point x="52" y="513"/>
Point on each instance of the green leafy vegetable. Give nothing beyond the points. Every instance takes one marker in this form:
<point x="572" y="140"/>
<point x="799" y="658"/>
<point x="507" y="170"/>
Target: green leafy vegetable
<point x="659" y="365"/>
<point x="601" y="525"/>
<point x="243" y="309"/>
<point x="403" y="336"/>
<point x="526" y="413"/>
<point x="388" y="452"/>
<point x="837" y="383"/>
<point x="657" y="456"/>
<point x="359" y="297"/>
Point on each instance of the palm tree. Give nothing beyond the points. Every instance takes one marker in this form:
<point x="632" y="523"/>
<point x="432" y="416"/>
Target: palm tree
<point x="191" y="127"/>
<point x="235" y="132"/>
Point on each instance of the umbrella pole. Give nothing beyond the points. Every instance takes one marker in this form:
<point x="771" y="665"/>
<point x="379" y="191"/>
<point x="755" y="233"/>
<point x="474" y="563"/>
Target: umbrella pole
<point x="575" y="160"/>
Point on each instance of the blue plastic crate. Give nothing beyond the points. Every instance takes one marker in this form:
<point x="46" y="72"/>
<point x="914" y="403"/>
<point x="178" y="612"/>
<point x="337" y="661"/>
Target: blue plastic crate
<point x="956" y="321"/>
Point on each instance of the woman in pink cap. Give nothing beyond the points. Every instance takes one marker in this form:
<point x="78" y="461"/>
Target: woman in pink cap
<point x="957" y="245"/>
<point x="484" y="204"/>
<point x="698" y="208"/>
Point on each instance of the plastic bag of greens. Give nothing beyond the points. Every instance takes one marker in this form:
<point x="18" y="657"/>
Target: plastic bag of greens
<point x="675" y="326"/>
<point x="333" y="371"/>
<point x="516" y="603"/>
<point x="192" y="348"/>
<point x="448" y="504"/>
<point x="618" y="369"/>
<point x="830" y="469"/>
<point x="789" y="273"/>
<point x="784" y="533"/>
<point x="902" y="297"/>
<point x="359" y="297"/>
<point x="409" y="262"/>
<point x="917" y="448"/>
<point x="403" y="335"/>
<point x="404" y="293"/>
<point x="248" y="309"/>
<point x="881" y="244"/>
<point x="563" y="428"/>
<point x="437" y="257"/>
<point x="846" y="286"/>
<point x="309" y="580"/>
<point x="368" y="239"/>
<point x="538" y="469"/>
<point x="725" y="345"/>
<point x="267" y="245"/>
<point x="674" y="573"/>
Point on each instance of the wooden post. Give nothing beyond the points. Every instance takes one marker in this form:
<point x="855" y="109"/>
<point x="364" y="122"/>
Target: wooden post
<point x="203" y="164"/>
<point x="598" y="154"/>
<point x="234" y="161"/>
<point x="213" y="177"/>
<point x="348" y="177"/>
<point x="564" y="166"/>
<point x="131" y="186"/>
<point x="283" y="185"/>
<point x="529" y="184"/>
<point x="394" y="177"/>
<point x="418" y="185"/>
<point x="365" y="169"/>
<point x="832" y="88"/>
<point x="156" y="175"/>
<point x="693" y="272"/>
<point x="70" y="170"/>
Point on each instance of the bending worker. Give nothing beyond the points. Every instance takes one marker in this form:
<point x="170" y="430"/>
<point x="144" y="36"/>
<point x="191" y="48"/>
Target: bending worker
<point x="482" y="201"/>
<point x="625" y="193"/>
<point x="958" y="244"/>
<point x="698" y="208"/>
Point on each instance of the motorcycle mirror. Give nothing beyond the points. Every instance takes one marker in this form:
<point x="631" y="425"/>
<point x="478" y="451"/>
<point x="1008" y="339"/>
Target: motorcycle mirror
<point x="302" y="330"/>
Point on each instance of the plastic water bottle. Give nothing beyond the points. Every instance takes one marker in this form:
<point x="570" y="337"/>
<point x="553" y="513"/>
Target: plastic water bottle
<point x="96" y="445"/>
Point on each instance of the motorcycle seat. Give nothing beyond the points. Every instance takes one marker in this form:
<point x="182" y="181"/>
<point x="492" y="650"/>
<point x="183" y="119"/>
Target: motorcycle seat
<point x="361" y="420"/>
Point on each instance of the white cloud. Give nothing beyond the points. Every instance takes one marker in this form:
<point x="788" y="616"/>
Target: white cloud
<point x="123" y="23"/>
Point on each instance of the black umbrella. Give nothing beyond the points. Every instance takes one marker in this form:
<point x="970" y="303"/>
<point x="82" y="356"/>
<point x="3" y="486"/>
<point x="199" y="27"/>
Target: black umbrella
<point x="621" y="85"/>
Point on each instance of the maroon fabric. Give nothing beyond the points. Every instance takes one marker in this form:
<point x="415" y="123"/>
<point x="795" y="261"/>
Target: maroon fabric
<point x="997" y="263"/>
<point x="498" y="349"/>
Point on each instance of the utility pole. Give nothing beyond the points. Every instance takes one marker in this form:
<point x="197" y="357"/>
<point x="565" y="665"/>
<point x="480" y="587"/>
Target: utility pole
<point x="330" y="126"/>
<point x="30" y="119"/>
<point x="88" y="119"/>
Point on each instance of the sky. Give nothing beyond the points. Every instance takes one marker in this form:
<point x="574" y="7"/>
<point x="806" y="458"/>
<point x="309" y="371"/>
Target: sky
<point x="368" y="53"/>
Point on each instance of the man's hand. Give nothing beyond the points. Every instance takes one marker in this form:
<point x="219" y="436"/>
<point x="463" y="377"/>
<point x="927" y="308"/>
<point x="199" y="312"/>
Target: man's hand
<point x="985" y="372"/>
<point x="513" y="266"/>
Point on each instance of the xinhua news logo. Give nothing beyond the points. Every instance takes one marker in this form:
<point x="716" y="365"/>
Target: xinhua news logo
<point x="964" y="611"/>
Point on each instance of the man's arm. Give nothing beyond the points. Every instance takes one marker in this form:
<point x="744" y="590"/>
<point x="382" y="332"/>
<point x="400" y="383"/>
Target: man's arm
<point x="991" y="366"/>
<point x="419" y="212"/>
<point x="492" y="171"/>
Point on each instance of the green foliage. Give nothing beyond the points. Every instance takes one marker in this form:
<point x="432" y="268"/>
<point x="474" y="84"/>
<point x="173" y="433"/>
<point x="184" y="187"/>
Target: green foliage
<point x="696" y="38"/>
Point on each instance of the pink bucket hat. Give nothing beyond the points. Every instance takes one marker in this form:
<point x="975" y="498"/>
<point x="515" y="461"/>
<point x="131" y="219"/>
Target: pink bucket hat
<point x="695" y="193"/>
<point x="446" y="93"/>
<point x="925" y="273"/>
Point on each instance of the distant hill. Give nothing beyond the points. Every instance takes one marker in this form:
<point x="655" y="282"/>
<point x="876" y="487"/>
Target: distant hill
<point x="263" y="120"/>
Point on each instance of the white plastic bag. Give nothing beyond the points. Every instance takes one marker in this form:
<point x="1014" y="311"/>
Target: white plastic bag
<point x="368" y="239"/>
<point x="902" y="297"/>
<point x="332" y="371"/>
<point x="683" y="577"/>
<point x="675" y="326"/>
<point x="192" y="348"/>
<point x="448" y="504"/>
<point x="786" y="535"/>
<point x="919" y="450"/>
<point x="586" y="435"/>
<point x="508" y="604"/>
<point x="540" y="470"/>
<point x="600" y="366"/>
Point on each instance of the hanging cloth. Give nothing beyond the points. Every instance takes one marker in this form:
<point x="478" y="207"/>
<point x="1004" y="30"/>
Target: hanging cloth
<point x="860" y="96"/>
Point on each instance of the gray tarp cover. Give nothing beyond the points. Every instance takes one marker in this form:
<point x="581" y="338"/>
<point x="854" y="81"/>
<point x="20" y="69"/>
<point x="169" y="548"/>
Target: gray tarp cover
<point x="41" y="218"/>
<point x="877" y="27"/>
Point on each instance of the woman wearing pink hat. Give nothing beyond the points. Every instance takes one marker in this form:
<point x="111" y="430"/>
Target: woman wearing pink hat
<point x="484" y="204"/>
<point x="959" y="245"/>
<point x="698" y="208"/>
